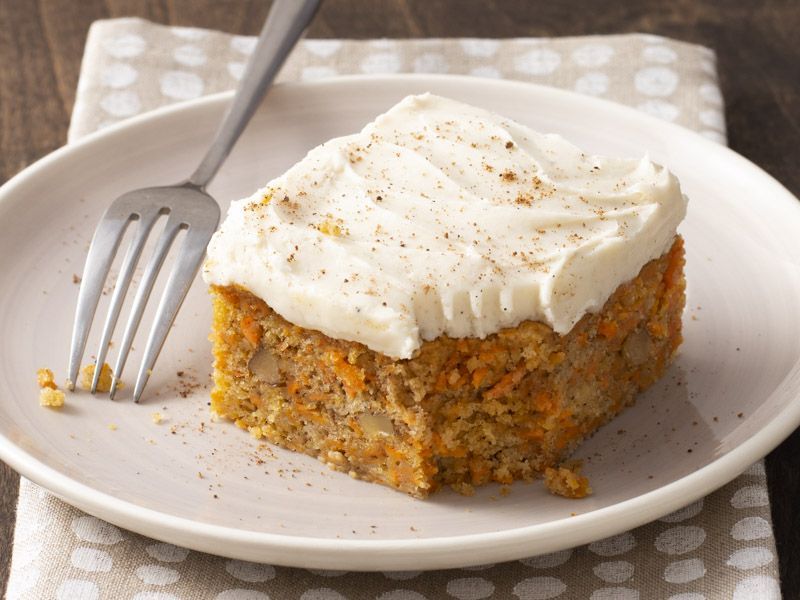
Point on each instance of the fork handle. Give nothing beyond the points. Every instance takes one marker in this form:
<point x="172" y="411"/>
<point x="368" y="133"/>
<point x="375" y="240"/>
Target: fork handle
<point x="285" y="24"/>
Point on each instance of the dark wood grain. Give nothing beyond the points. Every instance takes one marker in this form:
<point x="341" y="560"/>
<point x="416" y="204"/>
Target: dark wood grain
<point x="41" y="44"/>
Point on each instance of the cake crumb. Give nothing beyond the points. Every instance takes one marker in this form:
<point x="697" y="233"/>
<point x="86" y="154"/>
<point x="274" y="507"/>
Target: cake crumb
<point x="566" y="480"/>
<point x="49" y="394"/>
<point x="505" y="491"/>
<point x="45" y="379"/>
<point x="157" y="418"/>
<point x="112" y="426"/>
<point x="103" y="384"/>
<point x="51" y="397"/>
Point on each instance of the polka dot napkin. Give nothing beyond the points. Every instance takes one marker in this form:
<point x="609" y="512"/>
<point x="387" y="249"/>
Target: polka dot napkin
<point x="719" y="547"/>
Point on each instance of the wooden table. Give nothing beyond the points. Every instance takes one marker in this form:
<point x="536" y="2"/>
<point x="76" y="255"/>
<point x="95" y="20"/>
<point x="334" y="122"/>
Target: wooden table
<point x="41" y="43"/>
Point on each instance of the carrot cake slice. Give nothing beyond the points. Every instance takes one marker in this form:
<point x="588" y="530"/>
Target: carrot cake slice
<point x="445" y="298"/>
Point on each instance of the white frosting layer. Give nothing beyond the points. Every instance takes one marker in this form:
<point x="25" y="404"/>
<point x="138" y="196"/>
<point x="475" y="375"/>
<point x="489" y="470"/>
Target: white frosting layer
<point x="442" y="218"/>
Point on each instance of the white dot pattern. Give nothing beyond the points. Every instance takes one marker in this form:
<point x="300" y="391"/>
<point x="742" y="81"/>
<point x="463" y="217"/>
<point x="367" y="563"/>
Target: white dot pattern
<point x="124" y="103"/>
<point x="751" y="528"/>
<point x="711" y="93"/>
<point x="470" y="588"/>
<point x="190" y="55"/>
<point x="659" y="54"/>
<point x="157" y="575"/>
<point x="401" y="575"/>
<point x="615" y="593"/>
<point x="758" y="587"/>
<point x="615" y="545"/>
<point x="478" y="567"/>
<point x="483" y="48"/>
<point x="593" y="55"/>
<point x="323" y="48"/>
<point x="383" y="62"/>
<point x="322" y="594"/>
<point x="594" y="84"/>
<point x="750" y="558"/>
<point x="92" y="529"/>
<point x="181" y="85"/>
<point x="684" y="571"/>
<point x="713" y="118"/>
<point x="242" y="44"/>
<point x="687" y="512"/>
<point x="656" y="81"/>
<point x="661" y="109"/>
<point x="127" y="45"/>
<point x="750" y="497"/>
<point x="614" y="571"/>
<point x="119" y="75"/>
<point x="241" y="594"/>
<point x="235" y="69"/>
<point x="539" y="588"/>
<point x="168" y="553"/>
<point x="189" y="33"/>
<point x="327" y="572"/>
<point x="548" y="561"/>
<point x="91" y="560"/>
<point x="540" y="61"/>
<point x="724" y="543"/>
<point x="312" y="73"/>
<point x="430" y="63"/>
<point x="491" y="72"/>
<point x="249" y="571"/>
<point x="401" y="595"/>
<point x="680" y="540"/>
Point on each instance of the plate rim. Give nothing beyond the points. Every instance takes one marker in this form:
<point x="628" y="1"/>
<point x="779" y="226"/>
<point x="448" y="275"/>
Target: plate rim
<point x="383" y="554"/>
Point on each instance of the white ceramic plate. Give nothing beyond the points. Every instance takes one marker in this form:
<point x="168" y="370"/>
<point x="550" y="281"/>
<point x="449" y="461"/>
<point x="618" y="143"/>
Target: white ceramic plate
<point x="682" y="440"/>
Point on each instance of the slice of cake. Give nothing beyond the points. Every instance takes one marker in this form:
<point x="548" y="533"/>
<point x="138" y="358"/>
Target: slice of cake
<point x="445" y="298"/>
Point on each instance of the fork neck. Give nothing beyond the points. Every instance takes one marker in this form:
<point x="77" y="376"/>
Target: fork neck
<point x="285" y="24"/>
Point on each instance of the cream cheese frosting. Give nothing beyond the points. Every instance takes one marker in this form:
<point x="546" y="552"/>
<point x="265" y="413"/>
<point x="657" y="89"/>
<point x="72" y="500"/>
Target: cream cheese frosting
<point x="443" y="218"/>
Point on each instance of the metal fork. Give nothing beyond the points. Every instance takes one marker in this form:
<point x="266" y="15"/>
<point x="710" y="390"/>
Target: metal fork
<point x="187" y="207"/>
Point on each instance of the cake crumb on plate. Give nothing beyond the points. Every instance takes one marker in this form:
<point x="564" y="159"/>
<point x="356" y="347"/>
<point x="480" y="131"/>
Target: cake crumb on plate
<point x="103" y="384"/>
<point x="51" y="397"/>
<point x="566" y="480"/>
<point x="49" y="394"/>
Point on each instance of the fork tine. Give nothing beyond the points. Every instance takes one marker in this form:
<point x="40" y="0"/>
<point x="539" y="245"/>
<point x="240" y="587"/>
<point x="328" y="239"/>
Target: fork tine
<point x="142" y="294"/>
<point x="102" y="251"/>
<point x="183" y="274"/>
<point x="121" y="286"/>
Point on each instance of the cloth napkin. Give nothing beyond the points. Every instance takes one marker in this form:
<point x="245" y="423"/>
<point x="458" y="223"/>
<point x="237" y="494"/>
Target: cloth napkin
<point x="719" y="547"/>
